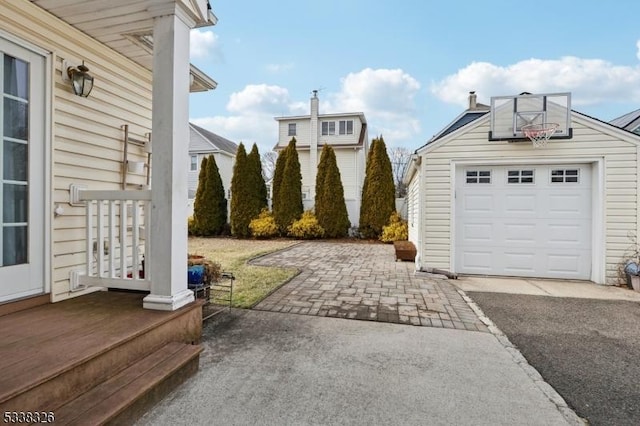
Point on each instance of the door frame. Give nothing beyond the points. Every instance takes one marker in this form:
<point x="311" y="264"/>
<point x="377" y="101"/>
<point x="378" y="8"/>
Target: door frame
<point x="47" y="184"/>
<point x="598" y="219"/>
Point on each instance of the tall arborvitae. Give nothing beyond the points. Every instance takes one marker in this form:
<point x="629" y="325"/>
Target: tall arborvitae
<point x="241" y="211"/>
<point x="320" y="203"/>
<point x="277" y="177"/>
<point x="259" y="188"/>
<point x="331" y="209"/>
<point x="288" y="206"/>
<point x="212" y="216"/>
<point x="198" y="203"/>
<point x="378" y="193"/>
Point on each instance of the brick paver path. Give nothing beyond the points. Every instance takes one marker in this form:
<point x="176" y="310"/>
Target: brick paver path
<point x="363" y="281"/>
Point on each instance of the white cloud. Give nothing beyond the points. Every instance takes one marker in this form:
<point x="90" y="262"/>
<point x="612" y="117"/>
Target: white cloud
<point x="252" y="111"/>
<point x="204" y="44"/>
<point x="591" y="81"/>
<point x="257" y="99"/>
<point x="279" y="68"/>
<point x="387" y="98"/>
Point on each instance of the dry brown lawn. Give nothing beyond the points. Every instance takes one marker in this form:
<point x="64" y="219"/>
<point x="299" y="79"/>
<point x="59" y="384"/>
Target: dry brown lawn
<point x="252" y="283"/>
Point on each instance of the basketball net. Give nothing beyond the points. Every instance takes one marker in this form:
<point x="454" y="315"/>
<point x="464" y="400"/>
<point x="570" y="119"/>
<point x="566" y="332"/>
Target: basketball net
<point x="540" y="133"/>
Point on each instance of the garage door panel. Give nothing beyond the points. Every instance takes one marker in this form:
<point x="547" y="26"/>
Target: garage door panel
<point x="569" y="264"/>
<point x="519" y="263"/>
<point x="478" y="232"/>
<point x="478" y="260"/>
<point x="519" y="233"/>
<point x="568" y="234"/>
<point x="575" y="205"/>
<point x="539" y="229"/>
<point x="519" y="204"/>
<point x="478" y="204"/>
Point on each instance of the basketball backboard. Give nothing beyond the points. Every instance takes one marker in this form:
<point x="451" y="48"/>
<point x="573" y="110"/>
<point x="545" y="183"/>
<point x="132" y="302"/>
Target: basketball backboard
<point x="510" y="113"/>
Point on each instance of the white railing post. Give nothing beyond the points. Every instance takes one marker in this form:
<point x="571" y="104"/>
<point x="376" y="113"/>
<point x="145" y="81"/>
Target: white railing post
<point x="89" y="237"/>
<point x="112" y="239"/>
<point x="99" y="243"/>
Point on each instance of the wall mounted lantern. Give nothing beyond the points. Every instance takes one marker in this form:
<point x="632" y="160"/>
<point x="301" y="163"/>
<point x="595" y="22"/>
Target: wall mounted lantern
<point x="81" y="80"/>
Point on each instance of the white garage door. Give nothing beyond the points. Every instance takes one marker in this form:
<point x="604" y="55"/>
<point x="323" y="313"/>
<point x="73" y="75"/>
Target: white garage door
<point x="532" y="221"/>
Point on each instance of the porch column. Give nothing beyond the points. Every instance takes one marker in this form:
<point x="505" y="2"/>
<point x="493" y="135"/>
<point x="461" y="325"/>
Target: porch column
<point x="170" y="126"/>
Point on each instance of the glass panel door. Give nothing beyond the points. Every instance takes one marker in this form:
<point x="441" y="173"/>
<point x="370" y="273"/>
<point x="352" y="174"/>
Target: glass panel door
<point x="22" y="173"/>
<point x="15" y="162"/>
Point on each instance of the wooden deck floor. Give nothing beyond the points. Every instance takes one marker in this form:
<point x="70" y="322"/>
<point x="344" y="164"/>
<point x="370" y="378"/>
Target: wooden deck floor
<point x="42" y="341"/>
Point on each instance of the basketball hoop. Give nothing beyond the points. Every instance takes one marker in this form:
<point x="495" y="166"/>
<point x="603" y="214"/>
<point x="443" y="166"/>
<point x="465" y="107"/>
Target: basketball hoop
<point x="540" y="133"/>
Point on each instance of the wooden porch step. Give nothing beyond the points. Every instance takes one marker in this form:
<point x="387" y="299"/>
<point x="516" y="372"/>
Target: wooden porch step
<point x="127" y="395"/>
<point x="51" y="354"/>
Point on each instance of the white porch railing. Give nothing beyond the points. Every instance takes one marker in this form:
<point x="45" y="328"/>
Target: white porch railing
<point x="117" y="239"/>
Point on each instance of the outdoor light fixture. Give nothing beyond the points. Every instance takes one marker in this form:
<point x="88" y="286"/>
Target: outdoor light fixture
<point x="81" y="80"/>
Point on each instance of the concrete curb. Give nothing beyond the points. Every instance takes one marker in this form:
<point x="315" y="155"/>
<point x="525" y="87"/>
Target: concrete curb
<point x="561" y="405"/>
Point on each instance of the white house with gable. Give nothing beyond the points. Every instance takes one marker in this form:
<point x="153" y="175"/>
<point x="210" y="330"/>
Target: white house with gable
<point x="204" y="143"/>
<point x="483" y="200"/>
<point x="346" y="133"/>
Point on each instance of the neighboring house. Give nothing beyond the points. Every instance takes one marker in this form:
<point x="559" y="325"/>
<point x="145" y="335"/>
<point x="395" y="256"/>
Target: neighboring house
<point x="203" y="143"/>
<point x="630" y="122"/>
<point x="346" y="133"/>
<point x="59" y="141"/>
<point x="482" y="200"/>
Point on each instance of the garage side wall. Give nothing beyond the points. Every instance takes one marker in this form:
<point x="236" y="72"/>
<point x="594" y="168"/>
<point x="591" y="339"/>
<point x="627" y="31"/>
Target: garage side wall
<point x="589" y="141"/>
<point x="413" y="209"/>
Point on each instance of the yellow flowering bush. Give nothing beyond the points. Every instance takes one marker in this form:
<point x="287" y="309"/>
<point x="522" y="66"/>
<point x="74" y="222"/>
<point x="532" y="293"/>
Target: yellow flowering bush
<point x="264" y="226"/>
<point x="307" y="227"/>
<point x="396" y="230"/>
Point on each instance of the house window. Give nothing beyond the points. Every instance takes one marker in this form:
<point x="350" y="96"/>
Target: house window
<point x="346" y="127"/>
<point x="478" y="176"/>
<point x="194" y="163"/>
<point x="520" y="176"/>
<point x="292" y="129"/>
<point x="565" y="175"/>
<point x="328" y="128"/>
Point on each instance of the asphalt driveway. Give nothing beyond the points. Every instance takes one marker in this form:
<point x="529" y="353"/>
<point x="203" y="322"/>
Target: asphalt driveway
<point x="364" y="281"/>
<point x="265" y="368"/>
<point x="588" y="350"/>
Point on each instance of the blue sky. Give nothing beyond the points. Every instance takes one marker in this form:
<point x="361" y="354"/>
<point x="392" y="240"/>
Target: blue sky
<point x="409" y="65"/>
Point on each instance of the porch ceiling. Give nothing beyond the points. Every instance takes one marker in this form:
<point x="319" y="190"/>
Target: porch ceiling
<point x="126" y="26"/>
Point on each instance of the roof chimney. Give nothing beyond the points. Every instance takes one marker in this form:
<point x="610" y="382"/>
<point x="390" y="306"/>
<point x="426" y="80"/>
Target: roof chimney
<point x="473" y="100"/>
<point x="314" y="104"/>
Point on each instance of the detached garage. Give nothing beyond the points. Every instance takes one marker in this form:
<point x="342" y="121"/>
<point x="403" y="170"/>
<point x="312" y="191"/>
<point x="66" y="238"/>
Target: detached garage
<point x="487" y="202"/>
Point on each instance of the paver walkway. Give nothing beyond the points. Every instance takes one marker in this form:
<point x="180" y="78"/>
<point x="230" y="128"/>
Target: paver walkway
<point x="363" y="281"/>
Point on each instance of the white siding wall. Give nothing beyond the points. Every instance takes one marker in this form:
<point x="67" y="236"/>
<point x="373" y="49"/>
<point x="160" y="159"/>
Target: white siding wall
<point x="87" y="136"/>
<point x="621" y="184"/>
<point x="302" y="132"/>
<point x="340" y="139"/>
<point x="225" y="164"/>
<point x="305" y="167"/>
<point x="193" y="175"/>
<point x="413" y="209"/>
<point x="348" y="165"/>
<point x="303" y="129"/>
